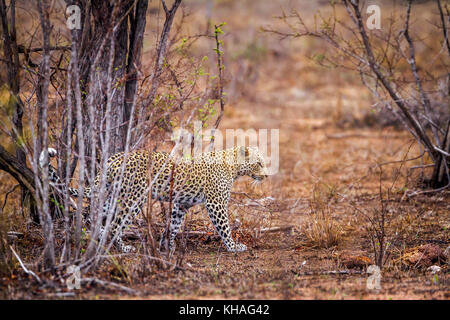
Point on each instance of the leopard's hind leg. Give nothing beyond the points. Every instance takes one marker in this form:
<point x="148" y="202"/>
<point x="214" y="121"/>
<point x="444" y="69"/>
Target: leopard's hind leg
<point x="177" y="217"/>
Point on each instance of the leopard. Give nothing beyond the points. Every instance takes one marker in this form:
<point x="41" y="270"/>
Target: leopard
<point x="205" y="179"/>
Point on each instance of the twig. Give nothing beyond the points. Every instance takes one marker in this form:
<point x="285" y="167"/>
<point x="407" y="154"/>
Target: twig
<point x="161" y="50"/>
<point x="6" y="196"/>
<point x="220" y="67"/>
<point x="403" y="160"/>
<point x="444" y="27"/>
<point x="415" y="193"/>
<point x="422" y="166"/>
<point x="412" y="62"/>
<point x="442" y="151"/>
<point x="348" y="135"/>
<point x="23" y="266"/>
<point x="62" y="294"/>
<point x="276" y="229"/>
<point x="22" y="49"/>
<point x="256" y="202"/>
<point x="330" y="272"/>
<point x="195" y="233"/>
<point x="109" y="284"/>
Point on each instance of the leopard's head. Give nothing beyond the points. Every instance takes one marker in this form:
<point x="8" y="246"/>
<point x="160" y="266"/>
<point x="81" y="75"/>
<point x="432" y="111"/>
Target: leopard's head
<point x="251" y="163"/>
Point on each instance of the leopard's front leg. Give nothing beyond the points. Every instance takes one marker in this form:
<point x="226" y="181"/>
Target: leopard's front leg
<point x="218" y="213"/>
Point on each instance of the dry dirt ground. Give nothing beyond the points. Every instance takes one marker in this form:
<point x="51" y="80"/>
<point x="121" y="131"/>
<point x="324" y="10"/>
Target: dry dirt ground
<point x="328" y="168"/>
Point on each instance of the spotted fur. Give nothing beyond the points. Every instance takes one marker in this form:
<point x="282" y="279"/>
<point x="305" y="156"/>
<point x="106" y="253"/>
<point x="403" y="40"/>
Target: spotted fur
<point x="207" y="178"/>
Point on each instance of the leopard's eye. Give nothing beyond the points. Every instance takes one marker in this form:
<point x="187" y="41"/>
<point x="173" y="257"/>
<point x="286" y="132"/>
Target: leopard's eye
<point x="260" y="164"/>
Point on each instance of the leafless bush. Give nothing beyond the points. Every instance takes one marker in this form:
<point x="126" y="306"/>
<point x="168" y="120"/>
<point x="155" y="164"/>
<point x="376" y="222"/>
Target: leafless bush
<point x="89" y="101"/>
<point x="380" y="217"/>
<point x="419" y="98"/>
<point x="376" y="228"/>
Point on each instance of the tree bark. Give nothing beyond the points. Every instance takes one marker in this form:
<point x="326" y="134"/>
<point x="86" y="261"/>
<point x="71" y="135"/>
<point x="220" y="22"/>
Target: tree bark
<point x="11" y="53"/>
<point x="137" y="28"/>
<point x="42" y="96"/>
<point x="17" y="170"/>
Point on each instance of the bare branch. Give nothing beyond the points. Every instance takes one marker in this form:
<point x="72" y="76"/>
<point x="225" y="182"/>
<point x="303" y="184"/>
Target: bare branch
<point x="23" y="266"/>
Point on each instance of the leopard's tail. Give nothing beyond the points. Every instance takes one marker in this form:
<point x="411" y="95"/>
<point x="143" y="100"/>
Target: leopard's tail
<point x="55" y="179"/>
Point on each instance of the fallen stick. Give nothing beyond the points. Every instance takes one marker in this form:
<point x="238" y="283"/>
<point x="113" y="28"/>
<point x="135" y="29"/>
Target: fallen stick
<point x="198" y="233"/>
<point x="330" y="272"/>
<point x="130" y="235"/>
<point x="23" y="266"/>
<point x="109" y="284"/>
<point x="347" y="135"/>
<point x="276" y="229"/>
<point x="62" y="294"/>
<point x="133" y="236"/>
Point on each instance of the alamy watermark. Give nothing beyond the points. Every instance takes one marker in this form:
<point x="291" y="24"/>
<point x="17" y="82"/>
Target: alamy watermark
<point x="192" y="143"/>
<point x="74" y="280"/>
<point x="374" y="20"/>
<point x="74" y="17"/>
<point x="374" y="281"/>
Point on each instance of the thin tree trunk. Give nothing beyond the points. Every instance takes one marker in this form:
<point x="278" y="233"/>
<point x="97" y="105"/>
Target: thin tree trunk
<point x="137" y="28"/>
<point x="42" y="102"/>
<point x="11" y="53"/>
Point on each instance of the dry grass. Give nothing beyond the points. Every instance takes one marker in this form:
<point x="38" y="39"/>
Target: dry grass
<point x="321" y="229"/>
